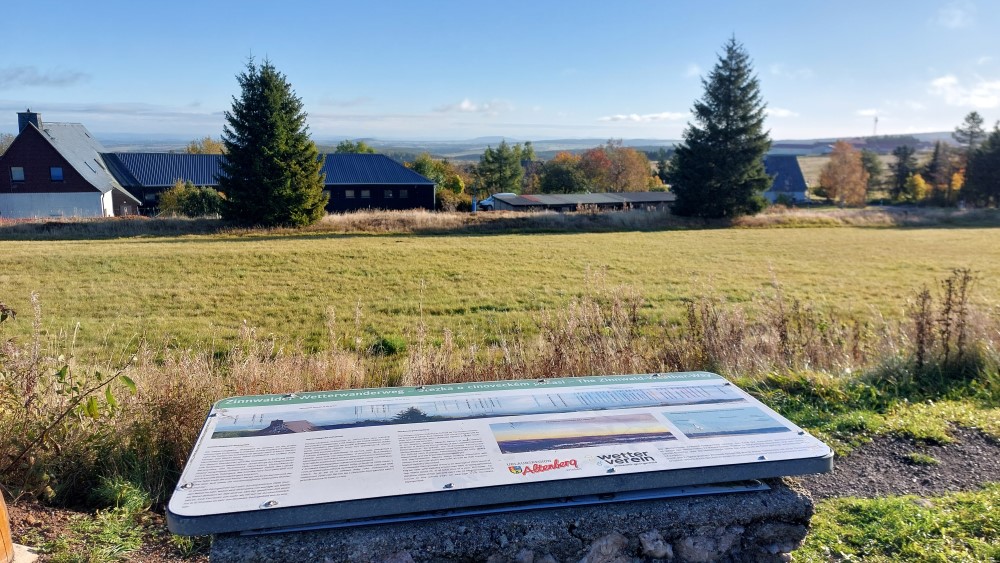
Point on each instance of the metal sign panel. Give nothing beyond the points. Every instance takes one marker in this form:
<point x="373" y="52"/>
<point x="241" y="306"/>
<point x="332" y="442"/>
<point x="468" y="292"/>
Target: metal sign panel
<point x="273" y="461"/>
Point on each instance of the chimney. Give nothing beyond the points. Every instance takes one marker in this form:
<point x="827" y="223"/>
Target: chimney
<point x="26" y="117"/>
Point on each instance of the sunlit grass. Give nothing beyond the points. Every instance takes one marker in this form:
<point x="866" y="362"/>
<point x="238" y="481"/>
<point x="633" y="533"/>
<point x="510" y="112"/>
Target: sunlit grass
<point x="957" y="527"/>
<point x="195" y="289"/>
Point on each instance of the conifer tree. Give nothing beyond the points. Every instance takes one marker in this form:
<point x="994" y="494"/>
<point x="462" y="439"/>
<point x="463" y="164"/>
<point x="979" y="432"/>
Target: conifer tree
<point x="904" y="167"/>
<point x="718" y="171"/>
<point x="500" y="169"/>
<point x="982" y="179"/>
<point x="272" y="171"/>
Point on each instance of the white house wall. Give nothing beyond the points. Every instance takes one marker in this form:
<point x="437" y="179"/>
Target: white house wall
<point x="80" y="204"/>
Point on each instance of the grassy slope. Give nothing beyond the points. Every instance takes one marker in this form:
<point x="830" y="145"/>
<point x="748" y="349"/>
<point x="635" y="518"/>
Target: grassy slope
<point x="200" y="289"/>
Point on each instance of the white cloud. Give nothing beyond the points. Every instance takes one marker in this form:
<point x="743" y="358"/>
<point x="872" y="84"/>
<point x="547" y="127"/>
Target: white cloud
<point x="867" y="112"/>
<point x="984" y="94"/>
<point x="27" y="76"/>
<point x="780" y="112"/>
<point x="986" y="59"/>
<point x="494" y="107"/>
<point x="956" y="15"/>
<point x="779" y="69"/>
<point x="693" y="71"/>
<point x="914" y="105"/>
<point x="645" y="118"/>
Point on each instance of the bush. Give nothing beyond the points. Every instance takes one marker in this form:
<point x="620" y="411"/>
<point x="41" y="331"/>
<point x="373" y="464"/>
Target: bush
<point x="448" y="200"/>
<point x="185" y="199"/>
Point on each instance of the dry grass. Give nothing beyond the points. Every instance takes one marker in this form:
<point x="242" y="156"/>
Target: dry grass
<point x="145" y="436"/>
<point x="779" y="216"/>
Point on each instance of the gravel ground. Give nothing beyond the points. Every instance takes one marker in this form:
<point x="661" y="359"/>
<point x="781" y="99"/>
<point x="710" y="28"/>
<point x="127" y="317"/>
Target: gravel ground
<point x="879" y="468"/>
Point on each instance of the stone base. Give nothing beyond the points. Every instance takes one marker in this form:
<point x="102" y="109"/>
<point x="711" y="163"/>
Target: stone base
<point x="751" y="526"/>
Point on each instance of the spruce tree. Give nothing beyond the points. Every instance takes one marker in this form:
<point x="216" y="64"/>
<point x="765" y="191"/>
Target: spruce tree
<point x="271" y="174"/>
<point x="982" y="178"/>
<point x="718" y="171"/>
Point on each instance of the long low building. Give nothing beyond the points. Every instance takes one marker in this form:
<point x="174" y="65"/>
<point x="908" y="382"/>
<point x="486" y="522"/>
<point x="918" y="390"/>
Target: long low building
<point x="575" y="202"/>
<point x="61" y="170"/>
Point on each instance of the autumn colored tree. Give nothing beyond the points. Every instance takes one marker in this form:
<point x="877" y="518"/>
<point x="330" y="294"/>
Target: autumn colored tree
<point x="844" y="177"/>
<point x="354" y="147"/>
<point x="917" y="189"/>
<point x="718" y="170"/>
<point x="904" y="167"/>
<point x="441" y="172"/>
<point x="629" y="170"/>
<point x="205" y="145"/>
<point x="613" y="167"/>
<point x="272" y="174"/>
<point x="562" y="175"/>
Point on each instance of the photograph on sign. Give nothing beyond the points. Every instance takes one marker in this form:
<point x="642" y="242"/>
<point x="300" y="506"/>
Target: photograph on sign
<point x="541" y="435"/>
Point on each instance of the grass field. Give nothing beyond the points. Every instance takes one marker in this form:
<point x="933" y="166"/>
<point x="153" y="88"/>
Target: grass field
<point x="200" y="289"/>
<point x="844" y="376"/>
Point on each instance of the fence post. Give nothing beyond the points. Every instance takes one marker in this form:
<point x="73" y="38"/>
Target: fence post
<point x="6" y="543"/>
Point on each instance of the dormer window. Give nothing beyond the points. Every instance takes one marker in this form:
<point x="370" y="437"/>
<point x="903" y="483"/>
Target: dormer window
<point x="16" y="174"/>
<point x="55" y="173"/>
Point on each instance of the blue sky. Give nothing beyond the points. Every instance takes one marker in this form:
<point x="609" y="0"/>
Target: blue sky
<point x="522" y="70"/>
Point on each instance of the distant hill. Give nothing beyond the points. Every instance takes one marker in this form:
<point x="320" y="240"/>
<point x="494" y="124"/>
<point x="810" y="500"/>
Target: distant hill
<point x="471" y="149"/>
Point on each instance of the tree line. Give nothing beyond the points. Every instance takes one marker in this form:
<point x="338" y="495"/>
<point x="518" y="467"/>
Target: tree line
<point x="272" y="174"/>
<point x="969" y="174"/>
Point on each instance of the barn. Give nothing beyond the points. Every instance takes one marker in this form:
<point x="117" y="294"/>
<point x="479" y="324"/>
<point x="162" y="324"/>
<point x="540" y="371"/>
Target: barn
<point x="353" y="181"/>
<point x="57" y="170"/>
<point x="574" y="202"/>
<point x="60" y="170"/>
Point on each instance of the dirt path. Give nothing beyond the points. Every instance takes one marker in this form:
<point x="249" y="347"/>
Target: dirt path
<point x="881" y="468"/>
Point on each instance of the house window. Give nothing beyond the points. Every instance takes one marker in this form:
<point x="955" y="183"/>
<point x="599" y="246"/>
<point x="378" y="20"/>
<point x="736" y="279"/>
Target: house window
<point x="55" y="173"/>
<point x="388" y="194"/>
<point x="327" y="194"/>
<point x="403" y="194"/>
<point x="366" y="194"/>
<point x="16" y="174"/>
<point x="349" y="194"/>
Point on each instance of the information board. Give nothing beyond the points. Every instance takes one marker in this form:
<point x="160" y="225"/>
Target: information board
<point x="291" y="460"/>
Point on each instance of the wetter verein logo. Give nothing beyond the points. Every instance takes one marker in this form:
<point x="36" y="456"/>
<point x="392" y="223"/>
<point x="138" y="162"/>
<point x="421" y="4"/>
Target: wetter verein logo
<point x="627" y="458"/>
<point x="542" y="467"/>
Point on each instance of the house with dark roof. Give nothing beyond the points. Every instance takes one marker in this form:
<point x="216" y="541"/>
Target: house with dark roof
<point x="57" y="170"/>
<point x="789" y="183"/>
<point x="353" y="181"/>
<point x="60" y="170"/>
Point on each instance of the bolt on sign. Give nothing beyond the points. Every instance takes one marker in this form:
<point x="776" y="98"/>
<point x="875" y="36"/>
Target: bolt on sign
<point x="335" y="457"/>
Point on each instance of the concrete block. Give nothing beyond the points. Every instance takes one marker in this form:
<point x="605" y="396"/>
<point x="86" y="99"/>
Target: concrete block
<point x="756" y="526"/>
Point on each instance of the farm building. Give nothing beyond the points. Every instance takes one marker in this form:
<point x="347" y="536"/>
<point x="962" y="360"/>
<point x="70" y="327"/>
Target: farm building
<point x="788" y="179"/>
<point x="60" y="170"/>
<point x="353" y="181"/>
<point x="572" y="202"/>
<point x="57" y="170"/>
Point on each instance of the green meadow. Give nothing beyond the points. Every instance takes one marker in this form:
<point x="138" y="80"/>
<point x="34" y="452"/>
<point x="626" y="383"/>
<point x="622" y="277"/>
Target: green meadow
<point x="196" y="290"/>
